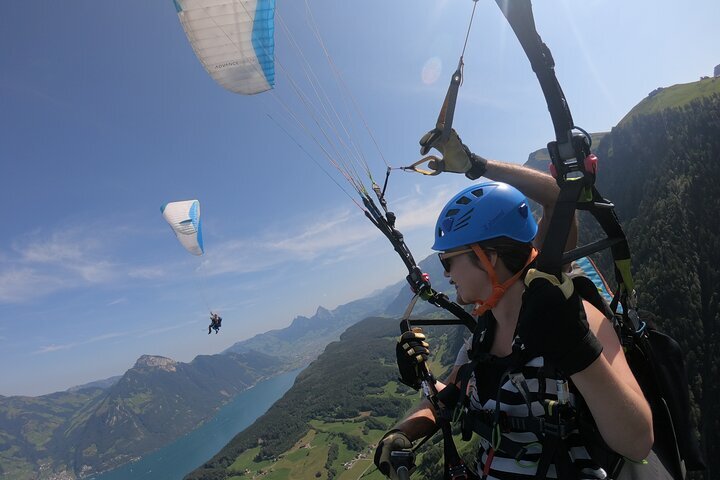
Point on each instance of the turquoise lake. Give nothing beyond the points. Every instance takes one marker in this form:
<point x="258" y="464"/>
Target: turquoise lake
<point x="179" y="458"/>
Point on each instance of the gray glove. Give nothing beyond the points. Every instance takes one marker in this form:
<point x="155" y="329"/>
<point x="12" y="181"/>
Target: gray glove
<point x="393" y="441"/>
<point x="457" y="157"/>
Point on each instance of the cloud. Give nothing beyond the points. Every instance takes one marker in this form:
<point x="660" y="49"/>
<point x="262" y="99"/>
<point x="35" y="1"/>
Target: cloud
<point x="58" y="248"/>
<point x="421" y="209"/>
<point x="72" y="249"/>
<point x="341" y="232"/>
<point x="337" y="234"/>
<point x="147" y="273"/>
<point x="117" y="301"/>
<point x="23" y="283"/>
<point x="67" y="346"/>
<point x="41" y="263"/>
<point x="109" y="336"/>
<point x="155" y="331"/>
<point x="236" y="256"/>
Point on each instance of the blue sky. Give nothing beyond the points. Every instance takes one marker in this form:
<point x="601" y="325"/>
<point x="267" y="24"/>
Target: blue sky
<point x="106" y="114"/>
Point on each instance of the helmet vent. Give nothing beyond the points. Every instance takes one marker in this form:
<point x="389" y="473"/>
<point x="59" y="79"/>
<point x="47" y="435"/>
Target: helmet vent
<point x="446" y="226"/>
<point x="463" y="221"/>
<point x="463" y="200"/>
<point x="451" y="212"/>
<point x="478" y="193"/>
<point x="461" y="225"/>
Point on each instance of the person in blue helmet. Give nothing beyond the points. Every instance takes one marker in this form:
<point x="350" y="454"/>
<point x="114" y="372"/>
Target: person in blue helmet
<point x="533" y="348"/>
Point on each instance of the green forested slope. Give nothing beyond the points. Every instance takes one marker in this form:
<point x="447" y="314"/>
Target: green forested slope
<point x="659" y="167"/>
<point x="28" y="425"/>
<point x="327" y="424"/>
<point x="661" y="170"/>
<point x="676" y="96"/>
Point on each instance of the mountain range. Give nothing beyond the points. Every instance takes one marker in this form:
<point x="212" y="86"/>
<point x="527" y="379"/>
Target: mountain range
<point x="88" y="430"/>
<point x="103" y="424"/>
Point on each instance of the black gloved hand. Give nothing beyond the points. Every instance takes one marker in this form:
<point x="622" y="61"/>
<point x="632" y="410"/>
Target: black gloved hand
<point x="392" y="441"/>
<point x="412" y="351"/>
<point x="552" y="323"/>
<point x="457" y="157"/>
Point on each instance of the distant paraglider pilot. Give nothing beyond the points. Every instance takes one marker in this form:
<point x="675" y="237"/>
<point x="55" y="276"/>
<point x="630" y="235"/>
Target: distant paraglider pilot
<point x="215" y="322"/>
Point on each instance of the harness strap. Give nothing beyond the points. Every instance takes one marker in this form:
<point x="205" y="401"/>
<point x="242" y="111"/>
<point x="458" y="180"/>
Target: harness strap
<point x="551" y="429"/>
<point x="455" y="468"/>
<point x="540" y="426"/>
<point x="483" y="423"/>
<point x="559" y="229"/>
<point x="555" y="451"/>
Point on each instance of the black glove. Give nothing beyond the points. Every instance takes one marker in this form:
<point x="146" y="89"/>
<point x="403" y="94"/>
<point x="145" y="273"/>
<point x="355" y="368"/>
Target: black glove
<point x="552" y="324"/>
<point x="393" y="441"/>
<point x="457" y="157"/>
<point x="412" y="351"/>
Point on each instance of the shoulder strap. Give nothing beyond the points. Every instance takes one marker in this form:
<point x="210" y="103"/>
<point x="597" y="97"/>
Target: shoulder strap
<point x="589" y="292"/>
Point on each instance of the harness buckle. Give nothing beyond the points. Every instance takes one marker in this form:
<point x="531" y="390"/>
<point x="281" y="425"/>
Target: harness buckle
<point x="559" y="420"/>
<point x="458" y="472"/>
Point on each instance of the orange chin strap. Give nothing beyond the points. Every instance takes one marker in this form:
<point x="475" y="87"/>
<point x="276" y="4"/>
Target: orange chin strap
<point x="482" y="306"/>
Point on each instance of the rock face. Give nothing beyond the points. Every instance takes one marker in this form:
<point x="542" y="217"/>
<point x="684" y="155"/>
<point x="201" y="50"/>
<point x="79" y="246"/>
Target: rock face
<point x="156" y="362"/>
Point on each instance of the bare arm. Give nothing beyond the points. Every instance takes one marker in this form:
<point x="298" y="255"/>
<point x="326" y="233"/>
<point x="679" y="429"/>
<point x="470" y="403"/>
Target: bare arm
<point x="421" y="422"/>
<point x="537" y="186"/>
<point x="613" y="395"/>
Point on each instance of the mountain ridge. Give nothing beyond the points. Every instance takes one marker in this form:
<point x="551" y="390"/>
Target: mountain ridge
<point x="84" y="430"/>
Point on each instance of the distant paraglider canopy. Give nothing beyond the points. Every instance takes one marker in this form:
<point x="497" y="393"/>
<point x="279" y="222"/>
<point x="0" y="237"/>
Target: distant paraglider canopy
<point x="184" y="219"/>
<point x="234" y="40"/>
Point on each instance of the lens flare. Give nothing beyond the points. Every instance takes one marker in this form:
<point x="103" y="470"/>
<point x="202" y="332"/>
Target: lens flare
<point x="431" y="70"/>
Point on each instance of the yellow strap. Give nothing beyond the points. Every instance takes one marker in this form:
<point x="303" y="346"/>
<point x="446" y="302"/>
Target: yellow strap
<point x="566" y="287"/>
<point x="623" y="266"/>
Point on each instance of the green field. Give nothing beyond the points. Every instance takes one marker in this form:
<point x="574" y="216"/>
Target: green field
<point x="674" y="97"/>
<point x="308" y="458"/>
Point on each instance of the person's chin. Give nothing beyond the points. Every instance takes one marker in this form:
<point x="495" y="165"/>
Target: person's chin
<point x="460" y="300"/>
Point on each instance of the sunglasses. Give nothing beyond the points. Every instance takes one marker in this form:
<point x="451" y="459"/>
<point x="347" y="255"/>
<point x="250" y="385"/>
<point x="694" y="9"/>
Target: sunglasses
<point x="446" y="256"/>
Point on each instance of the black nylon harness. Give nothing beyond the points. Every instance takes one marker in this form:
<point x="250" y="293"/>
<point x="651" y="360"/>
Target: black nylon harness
<point x="559" y="418"/>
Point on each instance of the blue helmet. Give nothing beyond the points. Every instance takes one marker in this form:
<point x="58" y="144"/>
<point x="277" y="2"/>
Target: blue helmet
<point x="482" y="212"/>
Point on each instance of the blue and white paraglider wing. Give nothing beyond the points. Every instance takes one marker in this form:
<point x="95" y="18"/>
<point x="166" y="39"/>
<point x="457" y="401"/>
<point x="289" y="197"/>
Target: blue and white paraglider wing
<point x="184" y="218"/>
<point x="234" y="40"/>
